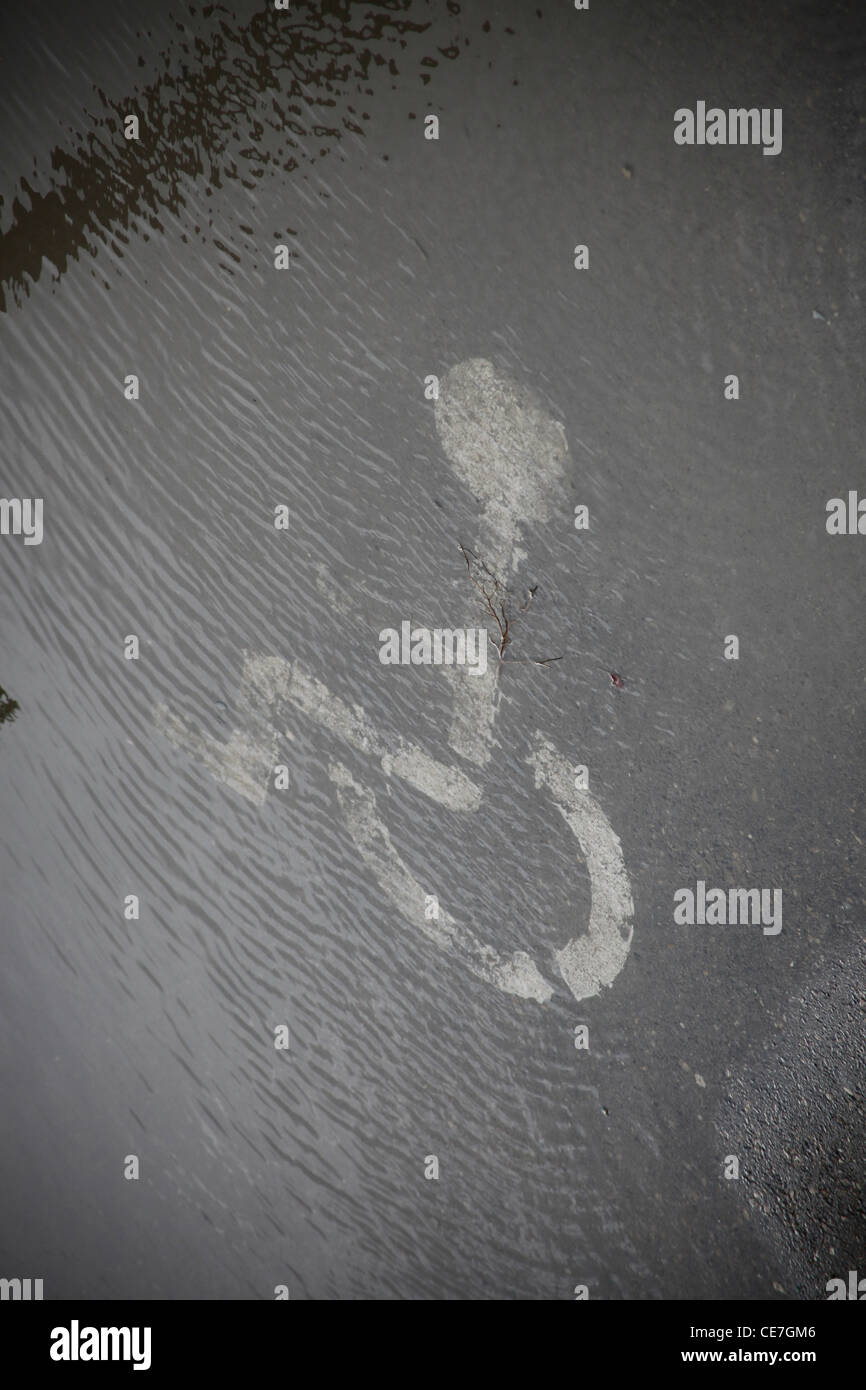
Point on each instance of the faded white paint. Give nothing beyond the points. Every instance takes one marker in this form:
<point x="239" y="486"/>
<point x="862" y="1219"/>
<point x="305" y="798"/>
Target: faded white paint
<point x="590" y="961"/>
<point x="244" y="763"/>
<point x="515" y="974"/>
<point x="510" y="453"/>
<point x="506" y="448"/>
<point x="270" y="679"/>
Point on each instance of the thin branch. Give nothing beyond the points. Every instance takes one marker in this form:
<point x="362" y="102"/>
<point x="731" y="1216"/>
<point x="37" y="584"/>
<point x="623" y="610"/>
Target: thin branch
<point x="500" y="618"/>
<point x="495" y="605"/>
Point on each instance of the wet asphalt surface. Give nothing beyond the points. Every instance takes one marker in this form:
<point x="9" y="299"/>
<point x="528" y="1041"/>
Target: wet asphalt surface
<point x="707" y="518"/>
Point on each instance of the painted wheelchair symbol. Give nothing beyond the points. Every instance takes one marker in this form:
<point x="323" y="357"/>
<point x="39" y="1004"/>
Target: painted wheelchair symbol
<point x="500" y="441"/>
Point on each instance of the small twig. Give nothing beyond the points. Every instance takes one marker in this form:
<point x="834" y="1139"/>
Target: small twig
<point x="495" y="604"/>
<point x="500" y="618"/>
<point x="534" y="660"/>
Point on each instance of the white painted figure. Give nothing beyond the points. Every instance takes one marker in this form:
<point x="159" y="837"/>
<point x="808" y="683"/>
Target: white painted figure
<point x="510" y="452"/>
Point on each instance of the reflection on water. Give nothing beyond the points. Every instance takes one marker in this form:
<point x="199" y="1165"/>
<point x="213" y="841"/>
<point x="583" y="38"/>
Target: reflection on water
<point x="8" y="707"/>
<point x="246" y="100"/>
